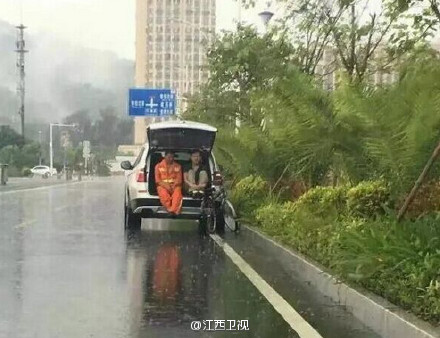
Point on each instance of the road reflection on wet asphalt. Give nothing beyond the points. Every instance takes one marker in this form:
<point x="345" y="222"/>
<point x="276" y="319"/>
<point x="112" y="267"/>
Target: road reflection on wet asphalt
<point x="68" y="269"/>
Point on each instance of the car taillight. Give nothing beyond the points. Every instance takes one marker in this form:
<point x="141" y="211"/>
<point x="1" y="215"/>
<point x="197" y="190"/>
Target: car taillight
<point x="218" y="178"/>
<point x="141" y="177"/>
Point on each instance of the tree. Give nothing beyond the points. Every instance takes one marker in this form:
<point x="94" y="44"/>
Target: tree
<point x="431" y="8"/>
<point x="310" y="30"/>
<point x="82" y="119"/>
<point x="363" y="37"/>
<point x="9" y="136"/>
<point x="360" y="32"/>
<point x="239" y="63"/>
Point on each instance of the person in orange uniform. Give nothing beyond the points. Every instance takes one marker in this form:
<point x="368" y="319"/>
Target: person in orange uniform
<point x="168" y="174"/>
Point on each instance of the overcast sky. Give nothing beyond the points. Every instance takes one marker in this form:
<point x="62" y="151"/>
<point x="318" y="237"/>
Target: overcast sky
<point x="100" y="24"/>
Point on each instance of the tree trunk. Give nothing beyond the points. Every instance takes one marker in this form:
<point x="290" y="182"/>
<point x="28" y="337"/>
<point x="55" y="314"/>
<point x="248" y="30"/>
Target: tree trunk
<point x="418" y="183"/>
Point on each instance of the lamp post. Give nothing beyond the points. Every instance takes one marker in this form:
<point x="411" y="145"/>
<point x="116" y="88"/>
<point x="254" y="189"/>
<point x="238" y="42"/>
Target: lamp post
<point x="39" y="140"/>
<point x="51" y="143"/>
<point x="266" y="15"/>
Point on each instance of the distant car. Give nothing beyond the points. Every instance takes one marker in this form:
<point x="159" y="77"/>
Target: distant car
<point x="43" y="171"/>
<point x="141" y="199"/>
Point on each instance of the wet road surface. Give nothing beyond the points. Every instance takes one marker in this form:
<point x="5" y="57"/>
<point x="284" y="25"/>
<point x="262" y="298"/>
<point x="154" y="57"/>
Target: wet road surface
<point x="68" y="269"/>
<point x="20" y="183"/>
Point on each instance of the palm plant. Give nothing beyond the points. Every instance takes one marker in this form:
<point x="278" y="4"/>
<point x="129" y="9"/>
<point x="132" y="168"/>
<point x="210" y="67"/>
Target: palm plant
<point x="402" y="125"/>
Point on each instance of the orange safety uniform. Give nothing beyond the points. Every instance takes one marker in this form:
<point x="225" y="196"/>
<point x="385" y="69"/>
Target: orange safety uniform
<point x="171" y="174"/>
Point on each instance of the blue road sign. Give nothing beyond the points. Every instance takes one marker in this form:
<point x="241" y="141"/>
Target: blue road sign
<point x="151" y="102"/>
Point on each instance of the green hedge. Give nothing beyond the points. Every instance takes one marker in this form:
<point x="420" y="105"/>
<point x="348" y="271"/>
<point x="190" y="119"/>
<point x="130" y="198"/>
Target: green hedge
<point x="323" y="200"/>
<point x="305" y="231"/>
<point x="368" y="199"/>
<point x="248" y="195"/>
<point x="347" y="230"/>
<point x="400" y="262"/>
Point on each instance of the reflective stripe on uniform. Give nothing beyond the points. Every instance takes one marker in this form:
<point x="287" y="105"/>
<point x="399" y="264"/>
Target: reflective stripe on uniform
<point x="170" y="180"/>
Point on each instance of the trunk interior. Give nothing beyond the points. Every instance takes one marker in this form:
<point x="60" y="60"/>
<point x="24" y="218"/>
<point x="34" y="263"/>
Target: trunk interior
<point x="181" y="157"/>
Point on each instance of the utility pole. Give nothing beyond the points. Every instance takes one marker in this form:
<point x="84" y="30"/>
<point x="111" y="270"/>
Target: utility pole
<point x="21" y="51"/>
<point x="39" y="139"/>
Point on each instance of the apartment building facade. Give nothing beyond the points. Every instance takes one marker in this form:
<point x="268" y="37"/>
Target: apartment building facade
<point x="171" y="40"/>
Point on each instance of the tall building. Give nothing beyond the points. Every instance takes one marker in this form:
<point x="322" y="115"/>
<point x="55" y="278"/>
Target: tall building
<point x="171" y="40"/>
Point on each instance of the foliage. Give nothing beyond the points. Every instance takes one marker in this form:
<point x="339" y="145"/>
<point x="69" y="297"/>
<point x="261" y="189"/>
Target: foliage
<point x="102" y="168"/>
<point x="19" y="157"/>
<point x="368" y="199"/>
<point x="368" y="142"/>
<point x="104" y="134"/>
<point x="397" y="261"/>
<point x="310" y="133"/>
<point x="248" y="194"/>
<point x="304" y="230"/>
<point x="239" y="63"/>
<point x="247" y="153"/>
<point x="26" y="172"/>
<point x="431" y="8"/>
<point x="9" y="137"/>
<point x="323" y="200"/>
<point x="399" y="124"/>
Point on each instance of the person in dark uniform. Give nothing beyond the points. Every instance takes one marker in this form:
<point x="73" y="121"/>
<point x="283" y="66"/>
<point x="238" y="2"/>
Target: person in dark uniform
<point x="196" y="176"/>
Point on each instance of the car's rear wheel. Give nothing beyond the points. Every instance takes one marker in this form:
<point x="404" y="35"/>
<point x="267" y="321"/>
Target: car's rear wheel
<point x="131" y="220"/>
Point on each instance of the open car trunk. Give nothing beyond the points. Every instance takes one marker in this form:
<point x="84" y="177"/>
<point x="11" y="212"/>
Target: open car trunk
<point x="181" y="135"/>
<point x="181" y="157"/>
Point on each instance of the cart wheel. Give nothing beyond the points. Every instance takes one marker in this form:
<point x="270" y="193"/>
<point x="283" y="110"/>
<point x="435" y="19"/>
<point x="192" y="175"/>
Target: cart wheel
<point x="211" y="222"/>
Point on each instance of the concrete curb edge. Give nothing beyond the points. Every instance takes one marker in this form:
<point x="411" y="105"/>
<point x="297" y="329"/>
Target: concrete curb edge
<point x="373" y="311"/>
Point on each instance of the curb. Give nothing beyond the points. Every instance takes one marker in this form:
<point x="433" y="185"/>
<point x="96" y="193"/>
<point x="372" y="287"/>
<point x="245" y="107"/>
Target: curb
<point x="373" y="311"/>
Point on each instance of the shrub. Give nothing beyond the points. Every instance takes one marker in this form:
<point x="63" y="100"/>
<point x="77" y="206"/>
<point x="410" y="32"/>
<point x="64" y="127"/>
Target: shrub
<point x="276" y="218"/>
<point x="102" y="169"/>
<point x="307" y="232"/>
<point x="26" y="172"/>
<point x="323" y="200"/>
<point x="248" y="194"/>
<point x="397" y="261"/>
<point x="368" y="199"/>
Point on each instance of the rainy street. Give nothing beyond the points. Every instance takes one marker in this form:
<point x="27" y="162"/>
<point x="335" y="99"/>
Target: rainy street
<point x="68" y="269"/>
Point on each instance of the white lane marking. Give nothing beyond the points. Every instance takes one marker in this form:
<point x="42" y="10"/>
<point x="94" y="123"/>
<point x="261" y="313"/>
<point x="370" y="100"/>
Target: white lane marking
<point x="42" y="188"/>
<point x="293" y="318"/>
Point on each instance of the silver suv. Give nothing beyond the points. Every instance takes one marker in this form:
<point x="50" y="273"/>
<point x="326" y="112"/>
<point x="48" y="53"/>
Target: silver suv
<point x="182" y="137"/>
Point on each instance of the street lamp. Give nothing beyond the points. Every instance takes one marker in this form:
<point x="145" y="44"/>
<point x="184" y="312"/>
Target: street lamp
<point x="266" y="15"/>
<point x="39" y="140"/>
<point x="50" y="141"/>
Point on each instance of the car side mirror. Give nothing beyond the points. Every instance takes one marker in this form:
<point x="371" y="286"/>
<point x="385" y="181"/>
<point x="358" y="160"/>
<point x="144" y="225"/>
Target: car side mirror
<point x="126" y="165"/>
